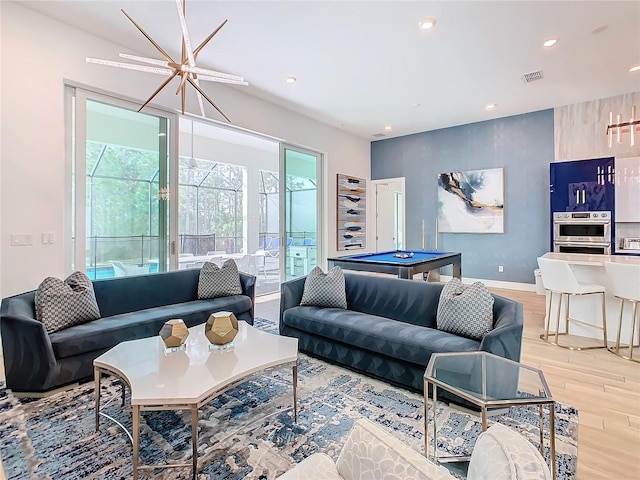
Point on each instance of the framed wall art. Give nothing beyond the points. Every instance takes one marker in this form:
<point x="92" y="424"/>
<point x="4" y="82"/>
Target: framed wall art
<point x="352" y="212"/>
<point x="471" y="201"/>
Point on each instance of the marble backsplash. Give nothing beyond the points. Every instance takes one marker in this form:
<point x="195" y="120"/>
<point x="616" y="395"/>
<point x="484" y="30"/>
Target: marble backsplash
<point x="580" y="130"/>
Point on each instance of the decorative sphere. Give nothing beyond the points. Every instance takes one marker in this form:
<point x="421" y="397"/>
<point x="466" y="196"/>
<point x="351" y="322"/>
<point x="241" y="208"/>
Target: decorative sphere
<point x="221" y="328"/>
<point x="174" y="332"/>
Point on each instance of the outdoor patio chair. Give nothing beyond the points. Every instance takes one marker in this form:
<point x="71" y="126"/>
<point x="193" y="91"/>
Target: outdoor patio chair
<point x="122" y="270"/>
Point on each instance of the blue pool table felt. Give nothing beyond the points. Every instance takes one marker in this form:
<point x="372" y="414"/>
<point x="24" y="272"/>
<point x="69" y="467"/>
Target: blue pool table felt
<point x="388" y="257"/>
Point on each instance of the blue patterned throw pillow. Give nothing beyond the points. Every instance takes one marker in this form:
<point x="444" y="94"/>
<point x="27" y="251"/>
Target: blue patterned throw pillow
<point x="325" y="289"/>
<point x="466" y="311"/>
<point x="217" y="281"/>
<point x="63" y="304"/>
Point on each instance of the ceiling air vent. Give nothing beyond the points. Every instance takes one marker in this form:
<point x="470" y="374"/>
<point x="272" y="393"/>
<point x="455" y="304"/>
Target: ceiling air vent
<point x="378" y="135"/>
<point x="532" y="76"/>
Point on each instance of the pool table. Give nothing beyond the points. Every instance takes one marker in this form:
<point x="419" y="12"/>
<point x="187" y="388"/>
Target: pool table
<point x="386" y="262"/>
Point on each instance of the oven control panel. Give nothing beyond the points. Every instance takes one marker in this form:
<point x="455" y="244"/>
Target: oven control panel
<point x="581" y="216"/>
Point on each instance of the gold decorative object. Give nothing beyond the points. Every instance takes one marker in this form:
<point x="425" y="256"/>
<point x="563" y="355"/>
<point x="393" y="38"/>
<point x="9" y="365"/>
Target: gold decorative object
<point x="221" y="328"/>
<point x="186" y="69"/>
<point x="174" y="333"/>
<point x="621" y="127"/>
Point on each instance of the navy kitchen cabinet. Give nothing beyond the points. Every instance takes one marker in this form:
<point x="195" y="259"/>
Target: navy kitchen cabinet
<point x="582" y="185"/>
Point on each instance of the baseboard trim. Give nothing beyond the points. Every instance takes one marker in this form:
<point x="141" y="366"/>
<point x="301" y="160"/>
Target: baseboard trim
<point x="526" y="287"/>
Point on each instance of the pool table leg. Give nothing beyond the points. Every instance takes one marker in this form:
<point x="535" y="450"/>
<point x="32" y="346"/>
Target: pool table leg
<point x="457" y="270"/>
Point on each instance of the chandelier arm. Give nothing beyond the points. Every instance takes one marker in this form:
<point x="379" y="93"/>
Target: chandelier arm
<point x="186" y="41"/>
<point x="184" y="97"/>
<point x="206" y="40"/>
<point x="164" y="84"/>
<point x="183" y="80"/>
<point x="199" y="96"/>
<point x="208" y="99"/>
<point x="148" y="37"/>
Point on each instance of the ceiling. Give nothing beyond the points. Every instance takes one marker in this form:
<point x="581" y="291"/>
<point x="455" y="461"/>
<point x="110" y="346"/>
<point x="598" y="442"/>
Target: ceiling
<point x="362" y="65"/>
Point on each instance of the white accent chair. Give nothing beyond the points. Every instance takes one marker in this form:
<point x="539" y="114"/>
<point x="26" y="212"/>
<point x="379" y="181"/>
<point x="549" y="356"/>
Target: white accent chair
<point x="373" y="454"/>
<point x="559" y="279"/>
<point x="624" y="280"/>
<point x="122" y="270"/>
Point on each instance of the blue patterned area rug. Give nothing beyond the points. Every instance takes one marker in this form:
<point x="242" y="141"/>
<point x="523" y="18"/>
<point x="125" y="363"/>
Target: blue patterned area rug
<point x="246" y="433"/>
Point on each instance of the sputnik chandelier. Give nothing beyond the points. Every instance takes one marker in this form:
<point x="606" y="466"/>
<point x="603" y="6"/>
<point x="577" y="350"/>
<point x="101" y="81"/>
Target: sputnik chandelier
<point x="186" y="69"/>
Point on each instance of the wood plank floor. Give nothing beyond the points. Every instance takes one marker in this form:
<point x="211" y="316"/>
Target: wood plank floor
<point x="604" y="388"/>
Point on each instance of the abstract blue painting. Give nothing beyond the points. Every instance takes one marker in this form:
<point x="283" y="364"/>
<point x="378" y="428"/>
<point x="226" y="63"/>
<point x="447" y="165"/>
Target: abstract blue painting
<point x="471" y="201"/>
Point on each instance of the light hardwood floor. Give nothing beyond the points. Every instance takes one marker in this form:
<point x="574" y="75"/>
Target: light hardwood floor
<point x="604" y="388"/>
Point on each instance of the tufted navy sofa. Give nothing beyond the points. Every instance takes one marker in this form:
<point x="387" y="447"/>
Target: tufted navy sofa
<point x="131" y="308"/>
<point x="389" y="329"/>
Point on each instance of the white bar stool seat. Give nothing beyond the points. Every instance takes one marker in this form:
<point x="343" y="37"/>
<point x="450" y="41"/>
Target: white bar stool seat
<point x="559" y="279"/>
<point x="624" y="280"/>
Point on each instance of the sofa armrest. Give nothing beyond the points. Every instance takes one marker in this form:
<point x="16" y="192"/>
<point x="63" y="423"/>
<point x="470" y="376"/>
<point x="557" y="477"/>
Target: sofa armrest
<point x="370" y="449"/>
<point x="505" y="339"/>
<point x="28" y="354"/>
<point x="290" y="296"/>
<point x="248" y="283"/>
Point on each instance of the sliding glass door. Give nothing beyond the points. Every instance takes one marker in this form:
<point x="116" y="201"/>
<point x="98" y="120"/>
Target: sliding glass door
<point x="300" y="223"/>
<point x="121" y="188"/>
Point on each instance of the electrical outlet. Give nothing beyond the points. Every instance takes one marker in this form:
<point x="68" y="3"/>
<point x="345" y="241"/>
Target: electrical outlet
<point x="500" y="268"/>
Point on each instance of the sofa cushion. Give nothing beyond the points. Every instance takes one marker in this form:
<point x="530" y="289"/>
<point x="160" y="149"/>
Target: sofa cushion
<point x="503" y="454"/>
<point x="400" y="340"/>
<point x="219" y="281"/>
<point x="325" y="289"/>
<point x="465" y="310"/>
<point x="62" y="304"/>
<point x="108" y="332"/>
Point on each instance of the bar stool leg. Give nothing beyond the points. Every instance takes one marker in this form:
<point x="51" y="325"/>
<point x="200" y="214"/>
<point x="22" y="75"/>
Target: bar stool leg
<point x="558" y="318"/>
<point x="604" y="323"/>
<point x="617" y="346"/>
<point x="634" y="317"/>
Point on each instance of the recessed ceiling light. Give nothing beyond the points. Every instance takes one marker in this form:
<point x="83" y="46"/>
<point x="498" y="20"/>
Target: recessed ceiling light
<point x="426" y="24"/>
<point x="551" y="42"/>
<point x="387" y="127"/>
<point x="490" y="106"/>
<point x="291" y="80"/>
<point x="634" y="68"/>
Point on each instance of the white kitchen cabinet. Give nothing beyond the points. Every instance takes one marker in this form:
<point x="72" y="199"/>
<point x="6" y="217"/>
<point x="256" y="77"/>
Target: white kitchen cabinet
<point x="627" y="189"/>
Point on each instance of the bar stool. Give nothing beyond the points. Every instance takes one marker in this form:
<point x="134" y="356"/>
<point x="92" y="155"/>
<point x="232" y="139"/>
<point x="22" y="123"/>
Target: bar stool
<point x="624" y="280"/>
<point x="558" y="278"/>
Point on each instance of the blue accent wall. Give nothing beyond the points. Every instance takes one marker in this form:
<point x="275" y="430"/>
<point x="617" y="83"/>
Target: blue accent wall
<point x="523" y="145"/>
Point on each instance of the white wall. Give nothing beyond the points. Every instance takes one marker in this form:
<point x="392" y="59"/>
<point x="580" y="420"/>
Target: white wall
<point x="42" y="53"/>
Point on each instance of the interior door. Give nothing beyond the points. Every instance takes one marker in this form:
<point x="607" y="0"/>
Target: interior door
<point x="121" y="187"/>
<point x="389" y="214"/>
<point x="300" y="223"/>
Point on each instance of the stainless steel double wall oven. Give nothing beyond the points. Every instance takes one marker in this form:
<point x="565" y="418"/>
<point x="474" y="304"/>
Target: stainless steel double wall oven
<point x="582" y="232"/>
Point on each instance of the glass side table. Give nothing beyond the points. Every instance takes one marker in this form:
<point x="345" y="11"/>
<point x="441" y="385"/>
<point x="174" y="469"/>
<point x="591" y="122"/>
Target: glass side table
<point x="489" y="382"/>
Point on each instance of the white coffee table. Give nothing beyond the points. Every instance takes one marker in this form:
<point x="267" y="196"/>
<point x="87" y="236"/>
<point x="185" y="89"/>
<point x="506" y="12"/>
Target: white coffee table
<point x="189" y="378"/>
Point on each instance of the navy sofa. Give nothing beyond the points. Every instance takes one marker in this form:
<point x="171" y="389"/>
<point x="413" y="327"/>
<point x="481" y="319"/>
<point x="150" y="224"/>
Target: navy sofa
<point x="131" y="308"/>
<point x="389" y="329"/>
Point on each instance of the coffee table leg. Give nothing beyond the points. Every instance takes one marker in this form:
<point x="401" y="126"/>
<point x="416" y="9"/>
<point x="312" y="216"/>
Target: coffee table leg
<point x="541" y="414"/>
<point x="435" y="440"/>
<point x="194" y="438"/>
<point x="426" y="419"/>
<point x="552" y="436"/>
<point x="294" y="372"/>
<point x="136" y="439"/>
<point x="484" y="419"/>
<point x="97" y="374"/>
